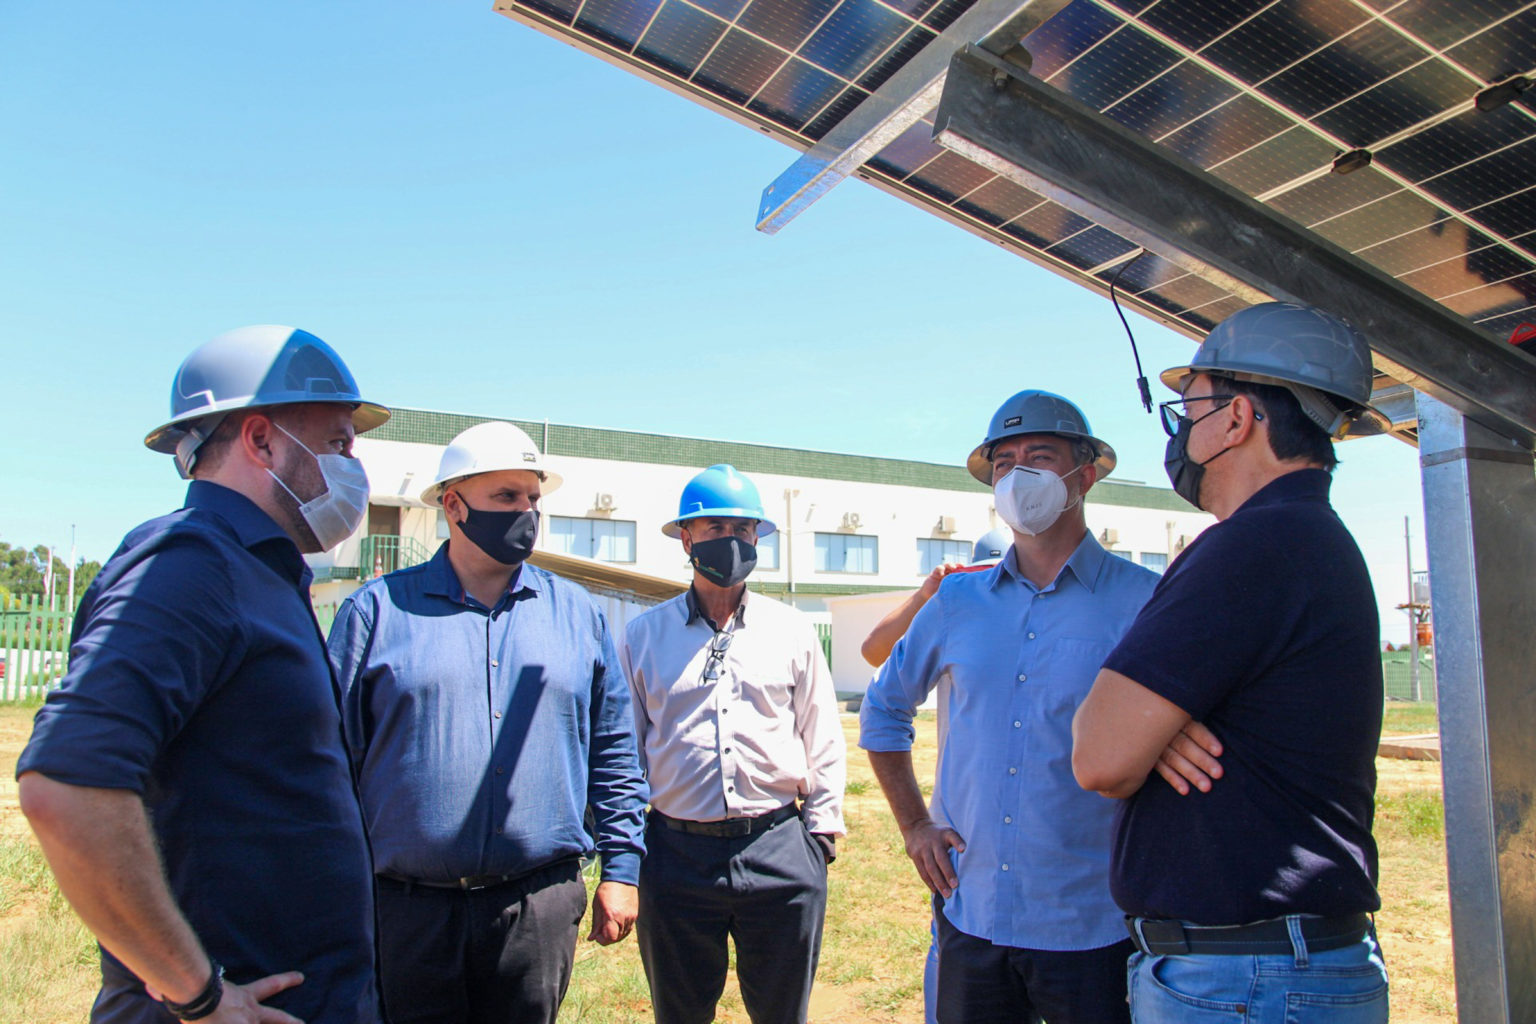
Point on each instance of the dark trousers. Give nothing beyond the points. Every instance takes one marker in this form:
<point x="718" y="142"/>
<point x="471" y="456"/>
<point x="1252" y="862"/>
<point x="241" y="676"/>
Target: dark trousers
<point x="500" y="955"/>
<point x="983" y="983"/>
<point x="767" y="892"/>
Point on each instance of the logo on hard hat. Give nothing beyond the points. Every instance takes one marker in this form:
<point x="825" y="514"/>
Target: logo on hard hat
<point x="1012" y="421"/>
<point x="530" y="457"/>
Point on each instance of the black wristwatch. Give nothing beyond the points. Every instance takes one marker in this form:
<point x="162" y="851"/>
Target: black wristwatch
<point x="205" y="1002"/>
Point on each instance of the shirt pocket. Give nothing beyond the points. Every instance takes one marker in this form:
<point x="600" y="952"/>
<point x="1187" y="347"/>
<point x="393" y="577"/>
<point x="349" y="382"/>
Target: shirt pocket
<point x="1071" y="668"/>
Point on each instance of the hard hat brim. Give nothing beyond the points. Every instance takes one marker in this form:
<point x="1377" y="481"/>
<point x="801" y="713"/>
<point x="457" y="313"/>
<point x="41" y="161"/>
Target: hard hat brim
<point x="366" y="416"/>
<point x="674" y="529"/>
<point x="980" y="466"/>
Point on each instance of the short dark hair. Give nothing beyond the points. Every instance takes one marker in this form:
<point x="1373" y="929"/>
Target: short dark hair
<point x="1292" y="433"/>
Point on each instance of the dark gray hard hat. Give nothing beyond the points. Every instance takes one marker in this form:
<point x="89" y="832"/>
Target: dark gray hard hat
<point x="993" y="545"/>
<point x="255" y="366"/>
<point x="1037" y="412"/>
<point x="1318" y="357"/>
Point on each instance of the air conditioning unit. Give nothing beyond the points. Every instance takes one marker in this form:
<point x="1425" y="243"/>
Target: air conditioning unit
<point x="946" y="524"/>
<point x="1182" y="542"/>
<point x="1109" y="537"/>
<point x="851" y="520"/>
<point x="604" y="503"/>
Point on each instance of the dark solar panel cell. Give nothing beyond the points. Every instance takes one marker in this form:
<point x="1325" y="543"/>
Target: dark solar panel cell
<point x="1132" y="6"/>
<point x="1091" y="248"/>
<point x="617" y="22"/>
<point x="892" y="62"/>
<point x="1356" y="62"/>
<point x="1162" y="302"/>
<point x="1454" y="142"/>
<point x="910" y="150"/>
<point x="1194" y="23"/>
<point x="1168" y="101"/>
<point x="911" y="8"/>
<point x="1227" y="131"/>
<point x="1116" y="66"/>
<point x="1442" y="240"/>
<point x="1503" y="325"/>
<point x="785" y="24"/>
<point x="1206" y="317"/>
<point x="1146" y="271"/>
<point x="796" y="94"/>
<point x="1045" y="224"/>
<point x="840" y="108"/>
<point x="858" y="32"/>
<point x="1062" y="38"/>
<point x="1503" y="50"/>
<point x="1189" y="292"/>
<point x="1482" y="267"/>
<point x="561" y="10"/>
<point x="1333" y="194"/>
<point x="946" y="13"/>
<point x="1513" y="216"/>
<point x="1396" y="104"/>
<point x="1398" y="213"/>
<point x="727" y="9"/>
<point x="679" y="38"/>
<point x="1495" y="299"/>
<point x="738" y="67"/>
<point x="1493" y="177"/>
<point x="1281" y="36"/>
<point x="998" y="201"/>
<point x="1284" y="157"/>
<point x="949" y="177"/>
<point x="1443" y="25"/>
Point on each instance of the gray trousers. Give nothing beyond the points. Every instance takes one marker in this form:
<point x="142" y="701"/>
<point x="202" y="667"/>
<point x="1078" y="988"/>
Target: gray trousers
<point x="766" y="892"/>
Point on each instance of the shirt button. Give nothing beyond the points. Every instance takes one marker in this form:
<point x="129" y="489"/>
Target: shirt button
<point x="1011" y="771"/>
<point x="499" y="830"/>
<point x="495" y="714"/>
<point x="1022" y="677"/>
<point x="1005" y="867"/>
<point x="502" y="771"/>
<point x="730" y="789"/>
<point x="1016" y="725"/>
<point x="727" y="750"/>
<point x="495" y="663"/>
<point x="1007" y="819"/>
<point x="725" y="711"/>
<point x="1031" y="636"/>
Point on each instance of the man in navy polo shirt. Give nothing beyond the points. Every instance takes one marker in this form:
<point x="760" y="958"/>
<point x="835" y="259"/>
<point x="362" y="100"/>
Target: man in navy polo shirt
<point x="188" y="783"/>
<point x="1249" y="896"/>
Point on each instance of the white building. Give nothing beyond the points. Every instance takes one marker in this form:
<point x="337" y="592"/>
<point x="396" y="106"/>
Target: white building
<point x="848" y="524"/>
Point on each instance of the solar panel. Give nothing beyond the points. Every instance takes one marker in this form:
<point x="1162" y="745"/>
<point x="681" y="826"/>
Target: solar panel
<point x="1264" y="94"/>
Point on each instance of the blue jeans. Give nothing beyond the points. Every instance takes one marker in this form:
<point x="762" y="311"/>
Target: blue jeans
<point x="1341" y="986"/>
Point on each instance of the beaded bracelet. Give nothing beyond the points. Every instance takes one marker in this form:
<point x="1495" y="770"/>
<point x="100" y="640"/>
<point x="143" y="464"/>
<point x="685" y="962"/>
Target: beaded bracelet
<point x="205" y="1002"/>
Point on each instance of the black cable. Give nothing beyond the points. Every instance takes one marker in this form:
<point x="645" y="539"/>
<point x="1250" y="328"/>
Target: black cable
<point x="1141" y="378"/>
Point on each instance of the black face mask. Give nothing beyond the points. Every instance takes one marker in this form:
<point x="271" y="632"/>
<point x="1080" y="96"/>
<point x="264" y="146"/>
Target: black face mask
<point x="1184" y="472"/>
<point x="724" y="561"/>
<point x="506" y="536"/>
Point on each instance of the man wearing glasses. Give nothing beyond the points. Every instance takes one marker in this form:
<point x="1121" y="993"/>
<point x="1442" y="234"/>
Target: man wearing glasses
<point x="738" y="730"/>
<point x="1250" y="896"/>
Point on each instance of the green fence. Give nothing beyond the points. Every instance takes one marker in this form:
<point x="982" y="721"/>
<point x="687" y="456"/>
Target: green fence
<point x="1397" y="674"/>
<point x="384" y="553"/>
<point x="34" y="648"/>
<point x="824" y="634"/>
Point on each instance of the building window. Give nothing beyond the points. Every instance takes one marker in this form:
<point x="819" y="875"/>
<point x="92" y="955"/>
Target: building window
<point x="1157" y="561"/>
<point x="603" y="540"/>
<point x="845" y="552"/>
<point x="933" y="553"/>
<point x="768" y="551"/>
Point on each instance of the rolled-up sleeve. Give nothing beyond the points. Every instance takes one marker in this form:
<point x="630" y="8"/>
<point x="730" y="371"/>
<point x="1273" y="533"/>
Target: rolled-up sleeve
<point x="159" y="635"/>
<point x="826" y="754"/>
<point x="616" y="788"/>
<point x="903" y="683"/>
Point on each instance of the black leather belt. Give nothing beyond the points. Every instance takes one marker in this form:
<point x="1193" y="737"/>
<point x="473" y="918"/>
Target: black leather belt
<point x="468" y="884"/>
<point x="1262" y="938"/>
<point x="727" y="828"/>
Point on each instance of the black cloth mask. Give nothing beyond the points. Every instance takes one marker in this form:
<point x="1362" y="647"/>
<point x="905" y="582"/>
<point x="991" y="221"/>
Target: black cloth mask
<point x="724" y="561"/>
<point x="1184" y="472"/>
<point x="506" y="536"/>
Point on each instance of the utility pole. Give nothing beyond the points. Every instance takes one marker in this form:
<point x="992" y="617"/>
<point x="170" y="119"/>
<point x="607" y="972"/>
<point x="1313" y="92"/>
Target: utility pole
<point x="1413" y="622"/>
<point x="70" y="608"/>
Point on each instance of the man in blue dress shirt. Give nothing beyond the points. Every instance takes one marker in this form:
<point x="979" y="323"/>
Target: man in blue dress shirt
<point x="1017" y="856"/>
<point x="487" y="714"/>
<point x="188" y="783"/>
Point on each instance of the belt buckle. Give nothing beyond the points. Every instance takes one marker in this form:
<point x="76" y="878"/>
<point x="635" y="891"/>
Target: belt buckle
<point x="1167" y="937"/>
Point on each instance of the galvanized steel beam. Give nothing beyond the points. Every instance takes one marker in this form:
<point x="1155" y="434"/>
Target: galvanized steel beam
<point x="1480" y="515"/>
<point x="895" y="106"/>
<point x="1042" y="139"/>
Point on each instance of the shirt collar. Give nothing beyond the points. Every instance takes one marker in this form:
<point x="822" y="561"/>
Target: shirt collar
<point x="694" y="611"/>
<point x="1297" y="485"/>
<point x="444" y="582"/>
<point x="1086" y="563"/>
<point x="253" y="528"/>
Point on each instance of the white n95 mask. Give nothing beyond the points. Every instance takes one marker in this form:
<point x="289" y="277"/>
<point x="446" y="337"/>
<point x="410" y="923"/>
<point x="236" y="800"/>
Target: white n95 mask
<point x="1031" y="500"/>
<point x="334" y="514"/>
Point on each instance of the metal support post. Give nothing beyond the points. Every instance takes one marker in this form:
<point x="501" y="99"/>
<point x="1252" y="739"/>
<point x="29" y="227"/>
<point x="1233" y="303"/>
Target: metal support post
<point x="1480" y="528"/>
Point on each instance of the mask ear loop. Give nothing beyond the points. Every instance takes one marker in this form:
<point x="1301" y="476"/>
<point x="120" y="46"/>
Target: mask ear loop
<point x="1141" y="378"/>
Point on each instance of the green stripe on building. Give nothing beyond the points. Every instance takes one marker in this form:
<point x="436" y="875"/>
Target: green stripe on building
<point x="425" y="427"/>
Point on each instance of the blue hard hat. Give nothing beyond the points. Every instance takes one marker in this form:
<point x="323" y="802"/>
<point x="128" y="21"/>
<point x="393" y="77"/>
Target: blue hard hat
<point x="992" y="546"/>
<point x="719" y="491"/>
<point x="259" y="366"/>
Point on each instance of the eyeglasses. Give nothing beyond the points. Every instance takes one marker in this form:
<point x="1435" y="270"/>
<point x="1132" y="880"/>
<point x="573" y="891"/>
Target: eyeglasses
<point x="1173" y="417"/>
<point x="718" y="645"/>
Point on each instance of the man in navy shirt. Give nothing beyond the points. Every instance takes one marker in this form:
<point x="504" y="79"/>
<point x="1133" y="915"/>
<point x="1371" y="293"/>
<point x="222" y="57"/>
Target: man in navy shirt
<point x="189" y="783"/>
<point x="487" y="713"/>
<point x="1248" y="897"/>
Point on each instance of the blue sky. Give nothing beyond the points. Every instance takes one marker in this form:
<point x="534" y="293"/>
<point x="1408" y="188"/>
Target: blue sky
<point x="482" y="219"/>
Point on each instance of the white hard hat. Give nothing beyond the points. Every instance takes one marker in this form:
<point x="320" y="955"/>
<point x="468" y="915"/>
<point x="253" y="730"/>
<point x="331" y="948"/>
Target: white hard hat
<point x="486" y="448"/>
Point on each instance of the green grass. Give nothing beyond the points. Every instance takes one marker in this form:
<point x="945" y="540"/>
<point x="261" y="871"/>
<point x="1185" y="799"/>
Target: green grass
<point x="1419" y="813"/>
<point x="1404" y="718"/>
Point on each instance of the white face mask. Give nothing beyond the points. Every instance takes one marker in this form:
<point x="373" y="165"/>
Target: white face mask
<point x="1031" y="500"/>
<point x="334" y="514"/>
